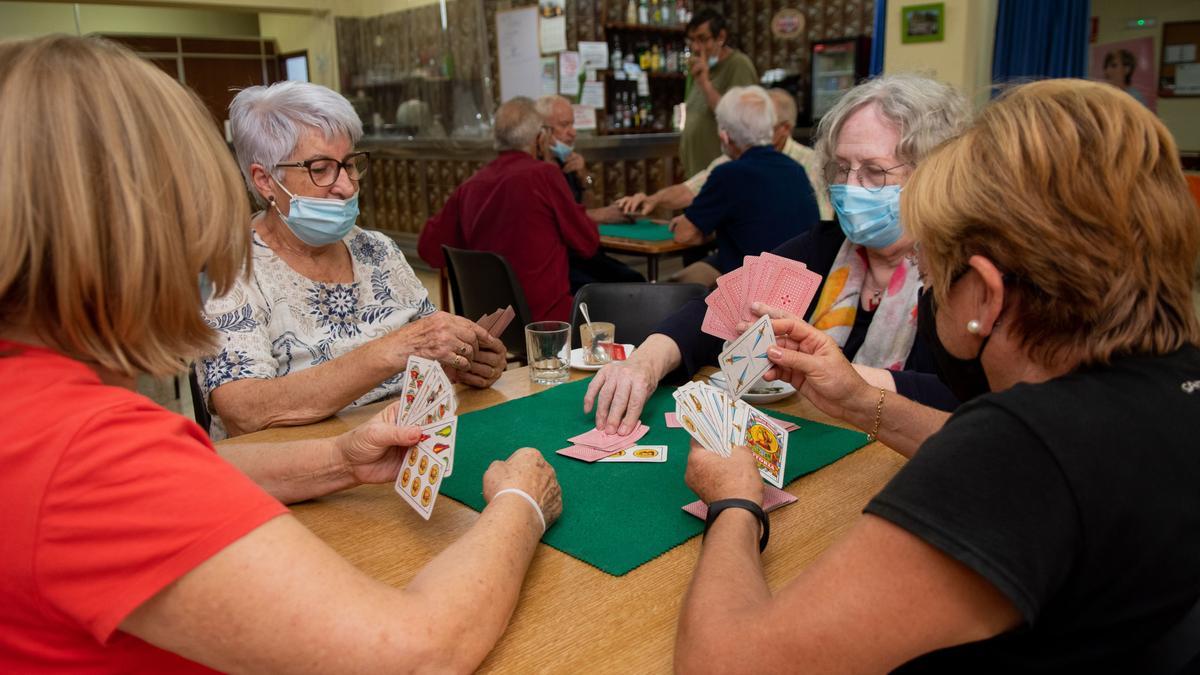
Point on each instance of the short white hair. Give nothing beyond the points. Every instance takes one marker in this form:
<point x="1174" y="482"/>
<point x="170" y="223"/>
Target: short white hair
<point x="924" y="111"/>
<point x="545" y="104"/>
<point x="268" y="122"/>
<point x="747" y="115"/>
<point x="517" y="124"/>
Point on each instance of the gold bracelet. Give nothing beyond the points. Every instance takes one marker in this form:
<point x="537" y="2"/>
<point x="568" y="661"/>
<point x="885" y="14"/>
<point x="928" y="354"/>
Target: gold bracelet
<point x="874" y="435"/>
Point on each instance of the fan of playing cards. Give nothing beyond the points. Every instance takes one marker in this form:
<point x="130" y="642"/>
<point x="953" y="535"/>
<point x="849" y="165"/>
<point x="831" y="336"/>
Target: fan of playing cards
<point x="774" y="280"/>
<point x="720" y="422"/>
<point x="427" y="401"/>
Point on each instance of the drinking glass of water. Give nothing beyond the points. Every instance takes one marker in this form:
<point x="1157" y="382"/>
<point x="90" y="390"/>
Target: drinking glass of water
<point x="549" y="346"/>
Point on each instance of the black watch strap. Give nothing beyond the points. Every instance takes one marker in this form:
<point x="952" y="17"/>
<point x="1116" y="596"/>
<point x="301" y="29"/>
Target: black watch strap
<point x="715" y="509"/>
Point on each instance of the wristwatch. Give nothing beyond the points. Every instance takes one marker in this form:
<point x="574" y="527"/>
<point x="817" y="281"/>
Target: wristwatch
<point x="715" y="509"/>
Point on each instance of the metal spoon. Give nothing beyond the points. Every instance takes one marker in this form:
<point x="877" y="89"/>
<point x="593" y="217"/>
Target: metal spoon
<point x="597" y="352"/>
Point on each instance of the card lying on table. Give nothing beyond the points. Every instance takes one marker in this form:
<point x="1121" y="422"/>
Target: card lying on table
<point x="720" y="422"/>
<point x="773" y="498"/>
<point x="780" y="282"/>
<point x="428" y="401"/>
<point x="594" y="445"/>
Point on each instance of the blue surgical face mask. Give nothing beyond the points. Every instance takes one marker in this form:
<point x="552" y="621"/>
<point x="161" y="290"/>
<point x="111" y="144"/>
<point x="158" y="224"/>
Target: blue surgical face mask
<point x="712" y="61"/>
<point x="317" y="221"/>
<point x="870" y="219"/>
<point x="561" y="150"/>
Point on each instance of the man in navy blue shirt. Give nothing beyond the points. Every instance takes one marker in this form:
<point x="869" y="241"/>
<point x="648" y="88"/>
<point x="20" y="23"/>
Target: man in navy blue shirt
<point x="754" y="203"/>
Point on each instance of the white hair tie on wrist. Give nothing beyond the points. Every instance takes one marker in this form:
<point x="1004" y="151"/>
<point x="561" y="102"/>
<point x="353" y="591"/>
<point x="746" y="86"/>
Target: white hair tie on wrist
<point x="532" y="502"/>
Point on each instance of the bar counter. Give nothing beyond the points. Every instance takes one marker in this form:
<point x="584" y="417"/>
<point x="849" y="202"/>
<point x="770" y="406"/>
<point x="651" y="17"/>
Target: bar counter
<point x="411" y="178"/>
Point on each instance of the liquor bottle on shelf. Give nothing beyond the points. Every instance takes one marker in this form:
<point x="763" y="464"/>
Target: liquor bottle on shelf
<point x="644" y="57"/>
<point x="671" y="61"/>
<point x="656" y="16"/>
<point x="616" y="58"/>
<point x="631" y="11"/>
<point x="643" y="12"/>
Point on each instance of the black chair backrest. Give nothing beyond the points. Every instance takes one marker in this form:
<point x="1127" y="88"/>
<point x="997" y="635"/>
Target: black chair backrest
<point x="635" y="308"/>
<point x="199" y="408"/>
<point x="481" y="282"/>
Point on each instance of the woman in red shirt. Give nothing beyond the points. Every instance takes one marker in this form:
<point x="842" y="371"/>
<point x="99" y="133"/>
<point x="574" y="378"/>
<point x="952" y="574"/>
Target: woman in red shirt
<point x="129" y="543"/>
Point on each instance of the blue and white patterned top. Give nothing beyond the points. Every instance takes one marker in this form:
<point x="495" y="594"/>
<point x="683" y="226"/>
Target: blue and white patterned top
<point x="279" y="322"/>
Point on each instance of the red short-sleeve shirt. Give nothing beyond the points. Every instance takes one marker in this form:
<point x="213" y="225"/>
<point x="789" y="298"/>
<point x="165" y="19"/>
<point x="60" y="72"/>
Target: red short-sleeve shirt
<point x="107" y="499"/>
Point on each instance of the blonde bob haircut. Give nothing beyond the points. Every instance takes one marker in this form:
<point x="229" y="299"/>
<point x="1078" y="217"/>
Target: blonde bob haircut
<point x="118" y="192"/>
<point x="1075" y="191"/>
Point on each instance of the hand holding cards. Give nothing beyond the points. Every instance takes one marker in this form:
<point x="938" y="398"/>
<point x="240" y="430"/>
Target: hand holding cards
<point x="719" y="422"/>
<point x="783" y="283"/>
<point x="427" y="400"/>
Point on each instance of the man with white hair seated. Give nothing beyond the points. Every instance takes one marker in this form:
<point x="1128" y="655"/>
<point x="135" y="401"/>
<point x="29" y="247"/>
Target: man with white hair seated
<point x="680" y="195"/>
<point x="518" y="206"/>
<point x="559" y="119"/>
<point x="753" y="203"/>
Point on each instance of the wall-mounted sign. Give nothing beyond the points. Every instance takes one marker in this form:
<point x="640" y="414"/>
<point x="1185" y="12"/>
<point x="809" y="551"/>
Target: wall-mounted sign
<point x="788" y="24"/>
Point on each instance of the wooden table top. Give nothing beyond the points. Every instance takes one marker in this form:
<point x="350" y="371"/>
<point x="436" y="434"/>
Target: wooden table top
<point x="571" y="616"/>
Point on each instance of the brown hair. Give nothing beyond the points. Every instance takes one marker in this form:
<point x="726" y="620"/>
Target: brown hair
<point x="117" y="192"/>
<point x="1076" y="191"/>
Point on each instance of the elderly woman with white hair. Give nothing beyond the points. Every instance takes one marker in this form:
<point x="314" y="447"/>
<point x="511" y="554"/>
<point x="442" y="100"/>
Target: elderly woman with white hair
<point x="330" y="313"/>
<point x="753" y="203"/>
<point x="869" y="143"/>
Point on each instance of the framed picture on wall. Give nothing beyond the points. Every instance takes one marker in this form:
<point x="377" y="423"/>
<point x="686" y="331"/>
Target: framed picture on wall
<point x="923" y="23"/>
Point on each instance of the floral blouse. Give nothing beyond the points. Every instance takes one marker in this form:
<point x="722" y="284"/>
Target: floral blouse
<point x="278" y="322"/>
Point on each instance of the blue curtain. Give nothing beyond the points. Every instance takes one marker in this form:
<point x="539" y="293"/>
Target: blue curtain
<point x="878" y="37"/>
<point x="1040" y="39"/>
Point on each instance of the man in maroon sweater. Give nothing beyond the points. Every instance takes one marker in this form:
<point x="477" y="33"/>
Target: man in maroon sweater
<point x="520" y="207"/>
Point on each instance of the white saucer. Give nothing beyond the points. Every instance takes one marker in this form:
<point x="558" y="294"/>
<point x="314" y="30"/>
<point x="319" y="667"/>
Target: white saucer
<point x="578" y="363"/>
<point x="776" y="390"/>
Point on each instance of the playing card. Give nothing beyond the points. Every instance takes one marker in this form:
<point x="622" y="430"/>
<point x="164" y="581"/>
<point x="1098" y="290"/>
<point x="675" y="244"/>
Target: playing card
<point x="416" y="372"/>
<point x="713" y="324"/>
<point x="694" y="413"/>
<point x="792" y="285"/>
<point x="768" y="441"/>
<point x="736" y="426"/>
<point x="485" y="322"/>
<point x="438" y="439"/>
<point x="435" y="390"/>
<point x="504" y="318"/>
<point x="597" y="438"/>
<point x="784" y="424"/>
<point x="639" y="453"/>
<point x="745" y="359"/>
<point x="773" y="498"/>
<point x="586" y="453"/>
<point x="672" y="421"/>
<point x="420" y="480"/>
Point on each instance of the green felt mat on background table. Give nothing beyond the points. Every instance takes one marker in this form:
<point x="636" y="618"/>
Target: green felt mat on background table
<point x="644" y="230"/>
<point x="616" y="516"/>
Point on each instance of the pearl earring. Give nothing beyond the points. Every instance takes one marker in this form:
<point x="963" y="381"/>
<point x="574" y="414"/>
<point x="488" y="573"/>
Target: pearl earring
<point x="973" y="327"/>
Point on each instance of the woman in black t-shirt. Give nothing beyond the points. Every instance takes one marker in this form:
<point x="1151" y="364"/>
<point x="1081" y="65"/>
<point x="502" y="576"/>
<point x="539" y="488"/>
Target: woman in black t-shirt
<point x="1052" y="523"/>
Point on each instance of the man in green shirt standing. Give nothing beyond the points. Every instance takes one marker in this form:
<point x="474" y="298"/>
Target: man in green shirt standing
<point x="716" y="68"/>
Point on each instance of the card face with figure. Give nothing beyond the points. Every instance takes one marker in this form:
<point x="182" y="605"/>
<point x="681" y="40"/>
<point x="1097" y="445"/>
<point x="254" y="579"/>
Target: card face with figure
<point x="745" y="360"/>
<point x="420" y="480"/>
<point x="768" y="441"/>
<point x="416" y="372"/>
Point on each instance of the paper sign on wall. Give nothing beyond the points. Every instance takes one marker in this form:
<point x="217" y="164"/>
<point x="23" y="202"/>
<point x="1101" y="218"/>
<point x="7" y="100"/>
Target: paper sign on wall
<point x="593" y="95"/>
<point x="585" y="117"/>
<point x="568" y="73"/>
<point x="517" y="48"/>
<point x="593" y="54"/>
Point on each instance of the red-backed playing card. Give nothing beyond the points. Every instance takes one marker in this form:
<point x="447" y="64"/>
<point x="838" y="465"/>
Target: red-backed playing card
<point x="773" y="498"/>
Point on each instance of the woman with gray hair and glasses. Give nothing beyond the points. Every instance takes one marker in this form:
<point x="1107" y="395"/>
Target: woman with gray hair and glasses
<point x="869" y="143"/>
<point x="330" y="312"/>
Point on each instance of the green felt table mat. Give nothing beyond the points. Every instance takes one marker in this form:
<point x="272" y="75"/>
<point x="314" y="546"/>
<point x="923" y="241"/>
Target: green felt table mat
<point x="616" y="516"/>
<point x="643" y="230"/>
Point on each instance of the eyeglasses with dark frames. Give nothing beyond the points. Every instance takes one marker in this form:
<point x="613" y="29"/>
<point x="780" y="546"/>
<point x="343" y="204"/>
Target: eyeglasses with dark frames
<point x="325" y="171"/>
<point x="870" y="176"/>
